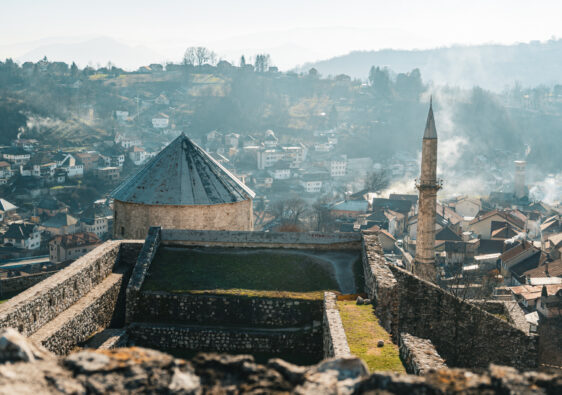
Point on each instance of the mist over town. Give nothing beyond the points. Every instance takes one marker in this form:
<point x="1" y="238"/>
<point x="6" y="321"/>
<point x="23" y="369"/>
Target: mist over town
<point x="318" y="202"/>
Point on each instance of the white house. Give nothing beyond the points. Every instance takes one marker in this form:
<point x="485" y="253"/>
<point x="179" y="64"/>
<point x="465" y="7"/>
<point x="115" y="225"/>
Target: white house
<point x="312" y="183"/>
<point x="23" y="235"/>
<point x="280" y="170"/>
<point x="17" y="156"/>
<point x="161" y="121"/>
<point x="338" y="166"/>
<point x="138" y="155"/>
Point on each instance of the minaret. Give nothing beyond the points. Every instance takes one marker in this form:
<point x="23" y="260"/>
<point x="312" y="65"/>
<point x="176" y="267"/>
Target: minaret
<point x="428" y="185"/>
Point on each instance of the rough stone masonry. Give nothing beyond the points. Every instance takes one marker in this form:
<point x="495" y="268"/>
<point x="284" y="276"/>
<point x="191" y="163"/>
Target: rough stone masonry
<point x="26" y="368"/>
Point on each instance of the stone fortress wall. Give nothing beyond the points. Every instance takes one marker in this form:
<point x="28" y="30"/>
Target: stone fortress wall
<point x="462" y="333"/>
<point x="71" y="305"/>
<point x="103" y="289"/>
<point x="333" y="336"/>
<point x="228" y="323"/>
<point x="11" y="285"/>
<point x="132" y="220"/>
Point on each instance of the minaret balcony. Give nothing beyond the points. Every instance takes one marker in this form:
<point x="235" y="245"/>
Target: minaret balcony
<point x="429" y="184"/>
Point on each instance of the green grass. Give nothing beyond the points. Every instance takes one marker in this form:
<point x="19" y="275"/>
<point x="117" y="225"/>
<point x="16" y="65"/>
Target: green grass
<point x="236" y="272"/>
<point x="363" y="330"/>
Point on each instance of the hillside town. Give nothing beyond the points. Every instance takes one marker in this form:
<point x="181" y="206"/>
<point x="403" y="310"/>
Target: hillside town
<point x="56" y="205"/>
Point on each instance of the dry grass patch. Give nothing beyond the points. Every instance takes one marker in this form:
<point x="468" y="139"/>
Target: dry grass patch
<point x="363" y="331"/>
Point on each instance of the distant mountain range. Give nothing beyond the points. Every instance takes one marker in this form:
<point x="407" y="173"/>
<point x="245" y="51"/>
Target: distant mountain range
<point x="96" y="51"/>
<point x="490" y="66"/>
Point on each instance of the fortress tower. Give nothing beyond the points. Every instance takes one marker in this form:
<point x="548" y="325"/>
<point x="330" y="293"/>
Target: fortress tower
<point x="183" y="187"/>
<point x="428" y="185"/>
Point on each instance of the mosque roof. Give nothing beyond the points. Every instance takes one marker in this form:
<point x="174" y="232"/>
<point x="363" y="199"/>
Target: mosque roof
<point x="182" y="174"/>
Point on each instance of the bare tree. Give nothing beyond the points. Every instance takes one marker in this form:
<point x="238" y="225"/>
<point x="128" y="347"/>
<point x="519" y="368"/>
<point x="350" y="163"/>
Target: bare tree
<point x="289" y="211"/>
<point x="377" y="181"/>
<point x="198" y="56"/>
<point x="322" y="215"/>
<point x="262" y="63"/>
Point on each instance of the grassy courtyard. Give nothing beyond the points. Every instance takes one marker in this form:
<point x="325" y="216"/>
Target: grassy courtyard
<point x="240" y="272"/>
<point x="363" y="331"/>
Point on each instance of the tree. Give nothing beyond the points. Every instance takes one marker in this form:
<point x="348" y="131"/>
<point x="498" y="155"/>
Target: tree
<point x="322" y="214"/>
<point x="73" y="69"/>
<point x="198" y="56"/>
<point x="289" y="211"/>
<point x="380" y="81"/>
<point x="377" y="181"/>
<point x="313" y="73"/>
<point x="261" y="63"/>
<point x="242" y="61"/>
<point x="189" y="57"/>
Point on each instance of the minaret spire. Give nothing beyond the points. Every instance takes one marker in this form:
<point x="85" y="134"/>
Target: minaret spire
<point x="430" y="131"/>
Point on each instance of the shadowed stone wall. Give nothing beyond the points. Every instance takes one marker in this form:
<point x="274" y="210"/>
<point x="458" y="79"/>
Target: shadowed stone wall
<point x="306" y="341"/>
<point x="226" y="310"/>
<point x="462" y="333"/>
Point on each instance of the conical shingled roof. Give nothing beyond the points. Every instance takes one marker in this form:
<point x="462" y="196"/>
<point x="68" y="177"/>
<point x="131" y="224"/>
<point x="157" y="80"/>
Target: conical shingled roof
<point x="182" y="174"/>
<point x="430" y="131"/>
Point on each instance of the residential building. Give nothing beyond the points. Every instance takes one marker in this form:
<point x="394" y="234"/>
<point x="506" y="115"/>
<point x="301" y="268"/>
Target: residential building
<point x="50" y="206"/>
<point x="482" y="224"/>
<point x="7" y="210"/>
<point x="467" y="207"/>
<point x="23" y="235"/>
<point x="550" y="302"/>
<point x="88" y="160"/>
<point x="16" y="156"/>
<point x="5" y="170"/>
<point x="312" y="183"/>
<point x="349" y="209"/>
<point x="96" y="219"/>
<point x="60" y="224"/>
<point x="281" y="170"/>
<point x="65" y="248"/>
<point x="338" y="166"/>
<point x="161" y="121"/>
<point x="108" y="173"/>
<point x="138" y="155"/>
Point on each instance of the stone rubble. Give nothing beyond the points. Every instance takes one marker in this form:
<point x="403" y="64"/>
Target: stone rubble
<point x="29" y="369"/>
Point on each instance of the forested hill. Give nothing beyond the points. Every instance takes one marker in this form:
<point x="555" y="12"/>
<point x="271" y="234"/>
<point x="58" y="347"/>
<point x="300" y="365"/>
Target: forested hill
<point x="64" y="106"/>
<point x="489" y="66"/>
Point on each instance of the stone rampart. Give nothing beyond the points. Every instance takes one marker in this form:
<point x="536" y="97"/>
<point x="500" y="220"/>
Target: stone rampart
<point x="12" y="285"/>
<point x="334" y="338"/>
<point x="303" y="340"/>
<point x="38" y="305"/>
<point x="419" y="355"/>
<point x="139" y="272"/>
<point x="80" y="321"/>
<point x="225" y="310"/>
<point x="301" y="240"/>
<point x="463" y="334"/>
<point x="380" y="284"/>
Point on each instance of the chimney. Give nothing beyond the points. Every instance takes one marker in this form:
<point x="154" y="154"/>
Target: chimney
<point x="519" y="182"/>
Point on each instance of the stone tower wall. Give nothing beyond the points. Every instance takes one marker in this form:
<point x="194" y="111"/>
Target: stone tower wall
<point x="132" y="220"/>
<point x="428" y="186"/>
<point x="429" y="160"/>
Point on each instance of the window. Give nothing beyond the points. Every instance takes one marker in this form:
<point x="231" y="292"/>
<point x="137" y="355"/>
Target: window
<point x="122" y="231"/>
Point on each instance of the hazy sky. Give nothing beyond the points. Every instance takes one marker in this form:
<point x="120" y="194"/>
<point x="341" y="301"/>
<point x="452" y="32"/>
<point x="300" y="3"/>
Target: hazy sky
<point x="293" y="31"/>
